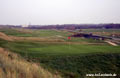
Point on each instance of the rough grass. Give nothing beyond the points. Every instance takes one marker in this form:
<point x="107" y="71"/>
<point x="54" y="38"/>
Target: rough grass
<point x="104" y="32"/>
<point x="12" y="66"/>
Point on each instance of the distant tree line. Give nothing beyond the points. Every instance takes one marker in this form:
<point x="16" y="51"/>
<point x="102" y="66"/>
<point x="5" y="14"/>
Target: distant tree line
<point x="68" y="26"/>
<point x="76" y="26"/>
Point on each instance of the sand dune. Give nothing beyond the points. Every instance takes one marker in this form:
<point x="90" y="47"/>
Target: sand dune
<point x="13" y="66"/>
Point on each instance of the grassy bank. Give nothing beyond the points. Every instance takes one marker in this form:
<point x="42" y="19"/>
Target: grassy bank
<point x="13" y="66"/>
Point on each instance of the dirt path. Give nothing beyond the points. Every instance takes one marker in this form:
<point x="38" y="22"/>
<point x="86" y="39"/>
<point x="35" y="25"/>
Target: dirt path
<point x="111" y="43"/>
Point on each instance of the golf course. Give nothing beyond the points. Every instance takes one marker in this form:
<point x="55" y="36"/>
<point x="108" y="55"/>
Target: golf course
<point x="70" y="58"/>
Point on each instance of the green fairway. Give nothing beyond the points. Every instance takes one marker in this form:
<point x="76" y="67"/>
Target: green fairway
<point x="47" y="33"/>
<point x="57" y="48"/>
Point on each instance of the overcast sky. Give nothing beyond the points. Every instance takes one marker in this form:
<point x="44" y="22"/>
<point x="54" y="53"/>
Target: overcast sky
<point x="59" y="11"/>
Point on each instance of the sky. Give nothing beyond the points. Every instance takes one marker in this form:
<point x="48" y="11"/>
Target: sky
<point x="44" y="12"/>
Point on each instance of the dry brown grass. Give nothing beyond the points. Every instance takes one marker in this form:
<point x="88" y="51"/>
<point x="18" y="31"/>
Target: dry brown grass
<point x="5" y="37"/>
<point x="22" y="30"/>
<point x="13" y="66"/>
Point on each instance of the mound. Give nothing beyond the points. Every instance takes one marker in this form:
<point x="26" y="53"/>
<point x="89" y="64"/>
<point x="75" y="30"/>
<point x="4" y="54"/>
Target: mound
<point x="5" y="37"/>
<point x="13" y="66"/>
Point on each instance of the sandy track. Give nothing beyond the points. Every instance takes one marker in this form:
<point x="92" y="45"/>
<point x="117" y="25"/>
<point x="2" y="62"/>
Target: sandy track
<point x="111" y="43"/>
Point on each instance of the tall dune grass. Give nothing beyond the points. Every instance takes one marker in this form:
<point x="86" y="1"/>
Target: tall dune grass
<point x="13" y="66"/>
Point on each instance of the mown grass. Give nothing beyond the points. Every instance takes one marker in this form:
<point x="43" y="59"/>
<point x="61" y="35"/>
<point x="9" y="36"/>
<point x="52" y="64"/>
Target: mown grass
<point x="57" y="48"/>
<point x="47" y="33"/>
